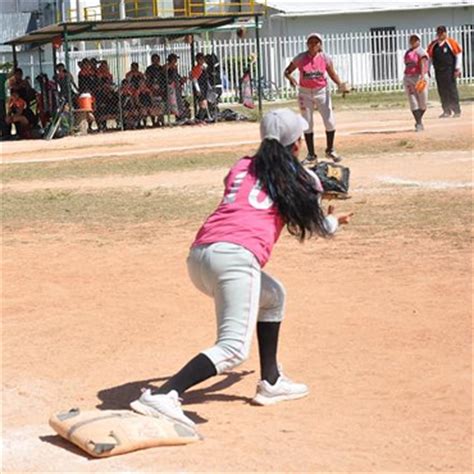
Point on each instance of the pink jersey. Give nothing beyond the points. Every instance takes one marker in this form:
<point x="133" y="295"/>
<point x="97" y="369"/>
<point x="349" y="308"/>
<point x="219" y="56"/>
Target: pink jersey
<point x="246" y="215"/>
<point x="312" y="69"/>
<point x="413" y="59"/>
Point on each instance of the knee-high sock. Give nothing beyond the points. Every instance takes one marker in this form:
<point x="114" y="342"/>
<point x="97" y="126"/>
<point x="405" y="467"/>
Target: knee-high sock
<point x="267" y="334"/>
<point x="330" y="140"/>
<point x="309" y="139"/>
<point x="416" y="114"/>
<point x="195" y="371"/>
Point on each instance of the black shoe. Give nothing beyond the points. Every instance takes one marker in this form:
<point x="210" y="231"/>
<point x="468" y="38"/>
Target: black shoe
<point x="457" y="115"/>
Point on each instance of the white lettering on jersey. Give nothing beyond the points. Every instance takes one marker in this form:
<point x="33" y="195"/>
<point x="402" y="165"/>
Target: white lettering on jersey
<point x="267" y="203"/>
<point x="234" y="189"/>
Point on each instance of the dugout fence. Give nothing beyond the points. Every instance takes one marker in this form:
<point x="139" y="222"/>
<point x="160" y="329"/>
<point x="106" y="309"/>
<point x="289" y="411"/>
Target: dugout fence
<point x="122" y="86"/>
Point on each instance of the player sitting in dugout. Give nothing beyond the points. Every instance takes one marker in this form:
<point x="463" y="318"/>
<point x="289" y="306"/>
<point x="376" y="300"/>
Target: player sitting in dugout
<point x="314" y="65"/>
<point x="20" y="115"/>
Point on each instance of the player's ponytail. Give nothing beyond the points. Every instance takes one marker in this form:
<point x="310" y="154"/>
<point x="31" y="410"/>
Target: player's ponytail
<point x="291" y="188"/>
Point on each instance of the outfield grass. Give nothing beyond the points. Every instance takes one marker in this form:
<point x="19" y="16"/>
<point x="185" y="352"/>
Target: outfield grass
<point x="420" y="213"/>
<point x="368" y="100"/>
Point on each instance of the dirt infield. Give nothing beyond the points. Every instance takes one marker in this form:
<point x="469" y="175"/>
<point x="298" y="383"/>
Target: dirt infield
<point x="97" y="303"/>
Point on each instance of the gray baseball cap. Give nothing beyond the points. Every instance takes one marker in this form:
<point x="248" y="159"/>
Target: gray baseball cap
<point x="283" y="125"/>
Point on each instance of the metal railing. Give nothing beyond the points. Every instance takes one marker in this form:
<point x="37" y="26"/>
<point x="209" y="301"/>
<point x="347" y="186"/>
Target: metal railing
<point x="368" y="61"/>
<point x="111" y="9"/>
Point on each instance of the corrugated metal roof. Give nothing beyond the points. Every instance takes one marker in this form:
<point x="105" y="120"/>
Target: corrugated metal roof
<point x="129" y="28"/>
<point x="312" y="7"/>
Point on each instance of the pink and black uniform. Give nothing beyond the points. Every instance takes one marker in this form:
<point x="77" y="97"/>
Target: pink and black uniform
<point x="416" y="67"/>
<point x="227" y="258"/>
<point x="313" y="89"/>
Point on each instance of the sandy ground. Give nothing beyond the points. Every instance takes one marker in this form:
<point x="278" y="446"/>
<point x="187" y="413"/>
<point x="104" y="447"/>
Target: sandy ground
<point x="356" y="124"/>
<point x="378" y="325"/>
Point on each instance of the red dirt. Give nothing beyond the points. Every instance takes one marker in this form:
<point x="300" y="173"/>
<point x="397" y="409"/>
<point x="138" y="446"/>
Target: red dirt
<point x="378" y="325"/>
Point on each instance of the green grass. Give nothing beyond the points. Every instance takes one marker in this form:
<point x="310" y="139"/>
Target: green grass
<point x="368" y="100"/>
<point x="411" y="212"/>
<point x="108" y="208"/>
<point x="138" y="165"/>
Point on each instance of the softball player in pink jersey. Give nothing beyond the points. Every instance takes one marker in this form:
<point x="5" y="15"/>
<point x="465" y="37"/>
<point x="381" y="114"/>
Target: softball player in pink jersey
<point x="416" y="68"/>
<point x="314" y="66"/>
<point x="262" y="194"/>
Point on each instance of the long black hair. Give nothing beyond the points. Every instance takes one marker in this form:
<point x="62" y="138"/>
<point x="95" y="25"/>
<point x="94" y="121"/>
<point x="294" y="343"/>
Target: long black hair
<point x="291" y="188"/>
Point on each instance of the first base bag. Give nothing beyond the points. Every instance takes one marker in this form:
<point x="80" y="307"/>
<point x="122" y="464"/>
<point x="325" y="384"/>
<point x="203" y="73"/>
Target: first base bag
<point x="334" y="178"/>
<point x="103" y="433"/>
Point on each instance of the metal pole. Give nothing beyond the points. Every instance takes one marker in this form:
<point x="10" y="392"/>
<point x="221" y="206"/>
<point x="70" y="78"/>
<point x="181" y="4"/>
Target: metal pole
<point x="259" y="67"/>
<point x="55" y="60"/>
<point x="192" y="64"/>
<point x="40" y="57"/>
<point x="119" y="82"/>
<point x="122" y="10"/>
<point x="15" y="59"/>
<point x="68" y="72"/>
<point x="167" y="105"/>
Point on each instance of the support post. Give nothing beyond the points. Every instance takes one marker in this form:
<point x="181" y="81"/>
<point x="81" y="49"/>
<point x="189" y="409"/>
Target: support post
<point x="40" y="58"/>
<point x="55" y="59"/>
<point x="15" y="59"/>
<point x="192" y="65"/>
<point x="68" y="75"/>
<point x="119" y="82"/>
<point x="259" y="67"/>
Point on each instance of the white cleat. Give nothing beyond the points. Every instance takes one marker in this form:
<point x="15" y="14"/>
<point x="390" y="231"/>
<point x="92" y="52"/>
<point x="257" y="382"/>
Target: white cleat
<point x="284" y="389"/>
<point x="331" y="154"/>
<point x="310" y="160"/>
<point x="167" y="405"/>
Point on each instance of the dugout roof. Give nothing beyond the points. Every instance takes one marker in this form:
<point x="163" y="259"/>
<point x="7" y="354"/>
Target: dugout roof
<point x="126" y="29"/>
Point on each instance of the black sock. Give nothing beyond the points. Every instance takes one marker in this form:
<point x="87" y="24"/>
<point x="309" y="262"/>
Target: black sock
<point x="417" y="115"/>
<point x="309" y="139"/>
<point x="422" y="112"/>
<point x="195" y="371"/>
<point x="330" y="140"/>
<point x="267" y="334"/>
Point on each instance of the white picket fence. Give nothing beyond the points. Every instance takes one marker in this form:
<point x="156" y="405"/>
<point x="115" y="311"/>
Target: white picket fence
<point x="368" y="61"/>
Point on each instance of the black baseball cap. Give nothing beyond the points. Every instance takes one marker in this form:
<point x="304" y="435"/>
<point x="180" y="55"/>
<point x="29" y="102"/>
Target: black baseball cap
<point x="172" y="56"/>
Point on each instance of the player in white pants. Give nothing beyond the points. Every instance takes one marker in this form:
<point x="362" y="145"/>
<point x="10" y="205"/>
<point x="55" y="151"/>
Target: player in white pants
<point x="262" y="194"/>
<point x="416" y="69"/>
<point x="314" y="66"/>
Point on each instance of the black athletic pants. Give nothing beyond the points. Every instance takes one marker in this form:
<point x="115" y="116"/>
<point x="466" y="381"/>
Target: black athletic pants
<point x="448" y="91"/>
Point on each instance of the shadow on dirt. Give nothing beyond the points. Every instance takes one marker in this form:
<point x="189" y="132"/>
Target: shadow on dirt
<point x="120" y="396"/>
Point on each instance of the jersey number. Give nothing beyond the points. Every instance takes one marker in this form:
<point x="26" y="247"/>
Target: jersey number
<point x="230" y="197"/>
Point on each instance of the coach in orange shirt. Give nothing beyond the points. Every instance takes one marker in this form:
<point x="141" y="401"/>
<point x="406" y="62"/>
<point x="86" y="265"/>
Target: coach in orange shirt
<point x="445" y="55"/>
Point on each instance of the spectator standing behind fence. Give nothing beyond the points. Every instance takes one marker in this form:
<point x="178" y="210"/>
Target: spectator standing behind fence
<point x="445" y="55"/>
<point x="139" y="94"/>
<point x="61" y="79"/>
<point x="106" y="98"/>
<point x="156" y="84"/>
<point x="175" y="102"/>
<point x="201" y="86"/>
<point x="414" y="80"/>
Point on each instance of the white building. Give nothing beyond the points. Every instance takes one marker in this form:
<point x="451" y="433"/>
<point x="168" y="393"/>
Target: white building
<point x="300" y="17"/>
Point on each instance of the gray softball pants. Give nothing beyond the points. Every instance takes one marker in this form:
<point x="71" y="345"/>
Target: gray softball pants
<point x="243" y="294"/>
<point x="320" y="99"/>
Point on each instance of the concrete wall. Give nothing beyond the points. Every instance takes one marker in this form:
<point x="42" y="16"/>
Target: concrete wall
<point x="362" y="22"/>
